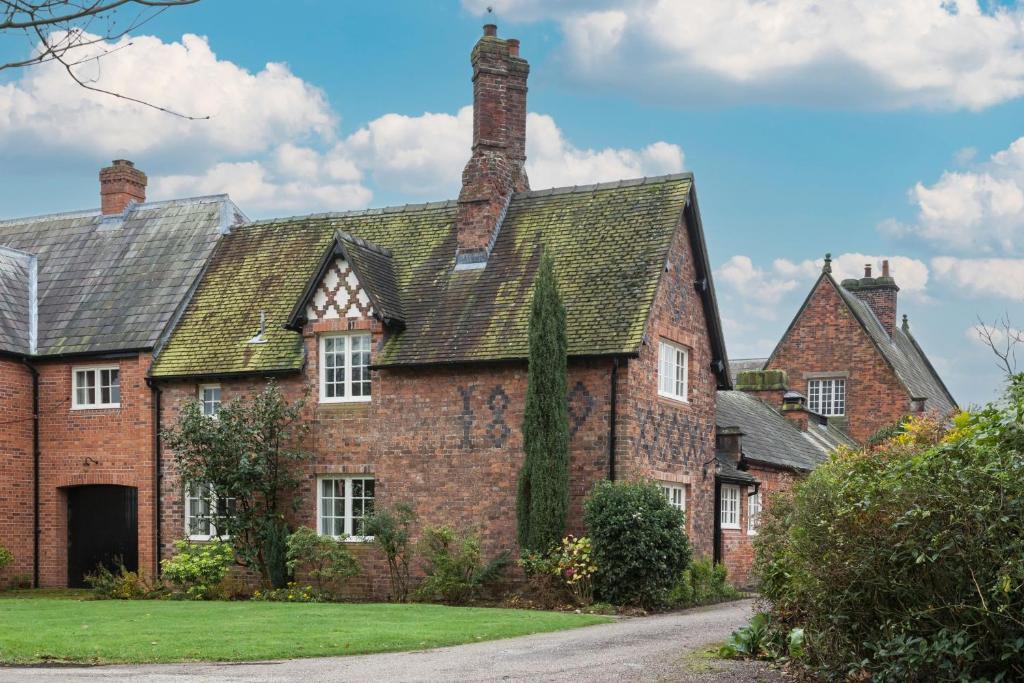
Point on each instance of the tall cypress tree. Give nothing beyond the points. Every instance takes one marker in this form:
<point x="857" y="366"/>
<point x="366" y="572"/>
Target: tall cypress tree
<point x="543" y="499"/>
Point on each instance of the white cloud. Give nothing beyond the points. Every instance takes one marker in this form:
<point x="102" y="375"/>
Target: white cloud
<point x="979" y="210"/>
<point x="997" y="277"/>
<point x="883" y="53"/>
<point x="249" y="112"/>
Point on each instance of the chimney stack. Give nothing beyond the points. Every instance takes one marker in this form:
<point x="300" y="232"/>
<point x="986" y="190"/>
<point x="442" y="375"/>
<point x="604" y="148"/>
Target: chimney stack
<point x="879" y="293"/>
<point x="496" y="169"/>
<point x="120" y="184"/>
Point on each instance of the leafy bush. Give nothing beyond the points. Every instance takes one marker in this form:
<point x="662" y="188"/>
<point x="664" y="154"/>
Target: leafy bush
<point x="452" y="562"/>
<point x="702" y="583"/>
<point x="906" y="562"/>
<point x="290" y="593"/>
<point x="5" y="557"/>
<point x="543" y="584"/>
<point x="326" y="561"/>
<point x="122" y="584"/>
<point x="392" y="532"/>
<point x="758" y="640"/>
<point x="640" y="547"/>
<point x="574" y="564"/>
<point x="197" y="569"/>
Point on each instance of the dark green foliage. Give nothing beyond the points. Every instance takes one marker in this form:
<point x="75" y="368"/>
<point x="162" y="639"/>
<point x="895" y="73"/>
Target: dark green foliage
<point x="883" y="434"/>
<point x="122" y="585"/>
<point x="906" y="562"/>
<point x="249" y="456"/>
<point x="392" y="532"/>
<point x="702" y="583"/>
<point x="453" y="565"/>
<point x="543" y="496"/>
<point x="640" y="547"/>
<point x="323" y="559"/>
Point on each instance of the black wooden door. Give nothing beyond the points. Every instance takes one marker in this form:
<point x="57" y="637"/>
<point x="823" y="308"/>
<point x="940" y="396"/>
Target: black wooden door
<point x="103" y="528"/>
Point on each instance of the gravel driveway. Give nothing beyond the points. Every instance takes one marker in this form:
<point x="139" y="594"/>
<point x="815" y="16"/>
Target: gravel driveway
<point x="659" y="648"/>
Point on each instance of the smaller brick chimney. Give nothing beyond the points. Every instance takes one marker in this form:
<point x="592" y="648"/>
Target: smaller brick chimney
<point x="879" y="293"/>
<point x="120" y="184"/>
<point x="496" y="169"/>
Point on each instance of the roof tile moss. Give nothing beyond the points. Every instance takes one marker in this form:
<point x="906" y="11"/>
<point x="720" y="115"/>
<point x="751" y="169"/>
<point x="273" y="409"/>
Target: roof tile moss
<point x="609" y="244"/>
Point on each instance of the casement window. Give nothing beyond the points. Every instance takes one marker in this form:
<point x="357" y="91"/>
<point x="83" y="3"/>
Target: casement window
<point x="96" y="387"/>
<point x="209" y="397"/>
<point x="343" y="503"/>
<point x="200" y="504"/>
<point x="676" y="496"/>
<point x="753" y="513"/>
<point x="673" y="371"/>
<point x="344" y="368"/>
<point x="730" y="513"/>
<point x="826" y="396"/>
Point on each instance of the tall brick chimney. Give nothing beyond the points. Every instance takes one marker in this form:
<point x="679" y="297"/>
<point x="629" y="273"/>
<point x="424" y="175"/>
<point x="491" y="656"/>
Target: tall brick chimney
<point x="121" y="183"/>
<point x="879" y="293"/>
<point x="496" y="169"/>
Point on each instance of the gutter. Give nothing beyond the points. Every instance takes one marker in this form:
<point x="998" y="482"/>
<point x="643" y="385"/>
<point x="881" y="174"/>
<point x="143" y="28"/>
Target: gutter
<point x="612" y="417"/>
<point x="157" y="469"/>
<point x="717" y="544"/>
<point x="36" y="531"/>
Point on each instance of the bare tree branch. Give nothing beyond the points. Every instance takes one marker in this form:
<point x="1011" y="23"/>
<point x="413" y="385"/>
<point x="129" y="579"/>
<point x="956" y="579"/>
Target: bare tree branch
<point x="63" y="28"/>
<point x="1003" y="339"/>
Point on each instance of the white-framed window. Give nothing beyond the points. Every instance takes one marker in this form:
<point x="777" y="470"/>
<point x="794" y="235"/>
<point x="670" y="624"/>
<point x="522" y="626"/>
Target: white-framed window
<point x="673" y="370"/>
<point x="676" y="495"/>
<point x="342" y="505"/>
<point x="96" y="387"/>
<point x="730" y="506"/>
<point x="826" y="396"/>
<point x="209" y="397"/>
<point x="344" y="368"/>
<point x="753" y="513"/>
<point x="200" y="504"/>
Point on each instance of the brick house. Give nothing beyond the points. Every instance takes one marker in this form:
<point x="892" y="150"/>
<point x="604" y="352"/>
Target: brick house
<point x="842" y="370"/>
<point x="407" y="326"/>
<point x="85" y="299"/>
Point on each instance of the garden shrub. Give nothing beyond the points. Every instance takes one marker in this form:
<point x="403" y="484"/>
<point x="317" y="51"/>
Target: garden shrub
<point x="5" y="557"/>
<point x="454" y="567"/>
<point x="292" y="592"/>
<point x="574" y="565"/>
<point x="906" y="562"/>
<point x="197" y="569"/>
<point x="702" y="583"/>
<point x="122" y="584"/>
<point x="392" y="533"/>
<point x="543" y="585"/>
<point x="639" y="545"/>
<point x="328" y="562"/>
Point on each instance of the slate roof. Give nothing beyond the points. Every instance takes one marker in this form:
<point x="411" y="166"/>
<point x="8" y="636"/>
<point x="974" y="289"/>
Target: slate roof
<point x="904" y="355"/>
<point x="770" y="438"/>
<point x="17" y="301"/>
<point x="113" y="283"/>
<point x="738" y="365"/>
<point x="727" y="471"/>
<point x="609" y="242"/>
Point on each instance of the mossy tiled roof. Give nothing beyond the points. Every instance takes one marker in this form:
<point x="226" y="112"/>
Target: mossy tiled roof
<point x="609" y="244"/>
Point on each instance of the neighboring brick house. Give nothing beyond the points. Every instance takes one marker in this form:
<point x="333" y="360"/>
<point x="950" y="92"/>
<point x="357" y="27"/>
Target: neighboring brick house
<point x="85" y="298"/>
<point x="408" y="328"/>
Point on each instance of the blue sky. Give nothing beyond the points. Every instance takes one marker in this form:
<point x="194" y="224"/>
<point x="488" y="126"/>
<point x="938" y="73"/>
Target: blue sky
<point x="867" y="131"/>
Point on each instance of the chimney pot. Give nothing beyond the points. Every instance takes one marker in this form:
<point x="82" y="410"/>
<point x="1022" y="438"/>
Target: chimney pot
<point x="885" y="268"/>
<point x="490" y="29"/>
<point x="513" y="47"/>
<point x="867" y="270"/>
<point x="120" y="185"/>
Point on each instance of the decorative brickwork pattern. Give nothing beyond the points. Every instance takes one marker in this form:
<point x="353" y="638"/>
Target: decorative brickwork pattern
<point x="339" y="295"/>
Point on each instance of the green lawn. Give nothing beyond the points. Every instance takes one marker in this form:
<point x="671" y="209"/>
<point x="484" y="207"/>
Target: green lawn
<point x="51" y="629"/>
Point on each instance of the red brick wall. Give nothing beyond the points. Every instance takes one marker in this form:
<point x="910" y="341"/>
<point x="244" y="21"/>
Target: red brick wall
<point x="661" y="438"/>
<point x="16" y="467"/>
<point x="738" y="544"/>
<point x="826" y="337"/>
<point x="93" y="446"/>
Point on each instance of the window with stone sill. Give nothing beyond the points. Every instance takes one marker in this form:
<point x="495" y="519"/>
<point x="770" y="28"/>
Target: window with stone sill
<point x="96" y="387"/>
<point x="827" y="396"/>
<point x="730" y="506"/>
<point x="209" y="397"/>
<point x="676" y="496"/>
<point x="342" y="505"/>
<point x="673" y="371"/>
<point x="344" y="368"/>
<point x="200" y="504"/>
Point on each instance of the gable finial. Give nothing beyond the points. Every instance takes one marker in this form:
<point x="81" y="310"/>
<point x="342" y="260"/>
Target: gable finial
<point x="906" y="323"/>
<point x="827" y="268"/>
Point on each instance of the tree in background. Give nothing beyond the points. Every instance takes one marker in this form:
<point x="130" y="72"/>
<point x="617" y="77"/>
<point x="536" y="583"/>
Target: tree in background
<point x="543" y="494"/>
<point x="247" y="458"/>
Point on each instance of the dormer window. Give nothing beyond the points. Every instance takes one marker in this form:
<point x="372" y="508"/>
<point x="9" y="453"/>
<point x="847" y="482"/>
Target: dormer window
<point x="96" y="387"/>
<point x="344" y="368"/>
